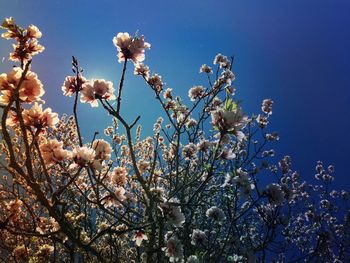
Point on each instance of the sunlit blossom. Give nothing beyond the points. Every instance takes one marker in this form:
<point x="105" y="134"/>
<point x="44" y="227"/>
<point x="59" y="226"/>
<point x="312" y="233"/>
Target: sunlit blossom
<point x="205" y="69"/>
<point x="196" y="92"/>
<point x="120" y="193"/>
<point x="38" y="118"/>
<point x="119" y="175"/>
<point x="222" y="61"/>
<point x="230" y="121"/>
<point x="33" y="32"/>
<point x="130" y="48"/>
<point x="31" y="88"/>
<point x="45" y="251"/>
<point x="142" y="70"/>
<point x="27" y="40"/>
<point x="11" y="27"/>
<point x="189" y="151"/>
<point x="97" y="89"/>
<point x="53" y="152"/>
<point x="202" y="186"/>
<point x="167" y="94"/>
<point x="103" y="149"/>
<point x="83" y="155"/>
<point x="156" y="83"/>
<point x="72" y="84"/>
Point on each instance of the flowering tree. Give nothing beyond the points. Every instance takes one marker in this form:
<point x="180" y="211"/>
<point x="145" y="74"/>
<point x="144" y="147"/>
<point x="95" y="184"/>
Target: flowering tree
<point x="202" y="188"/>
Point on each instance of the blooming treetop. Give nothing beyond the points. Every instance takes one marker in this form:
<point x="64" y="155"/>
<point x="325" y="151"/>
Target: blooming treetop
<point x="204" y="187"/>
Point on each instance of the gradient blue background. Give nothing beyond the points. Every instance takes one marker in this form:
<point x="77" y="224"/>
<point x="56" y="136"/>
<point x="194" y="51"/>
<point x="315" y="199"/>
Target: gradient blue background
<point x="295" y="52"/>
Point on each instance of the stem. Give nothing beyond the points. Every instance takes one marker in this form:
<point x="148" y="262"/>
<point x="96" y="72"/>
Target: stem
<point x="76" y="118"/>
<point x="121" y="83"/>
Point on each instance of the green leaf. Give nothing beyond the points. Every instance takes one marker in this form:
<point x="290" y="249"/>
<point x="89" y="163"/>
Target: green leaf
<point x="230" y="105"/>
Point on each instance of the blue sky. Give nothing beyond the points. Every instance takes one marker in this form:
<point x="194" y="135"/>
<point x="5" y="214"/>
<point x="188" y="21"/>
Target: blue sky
<point x="295" y="52"/>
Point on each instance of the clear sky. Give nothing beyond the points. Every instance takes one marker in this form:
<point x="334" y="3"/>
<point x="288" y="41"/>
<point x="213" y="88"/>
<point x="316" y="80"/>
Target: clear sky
<point x="293" y="51"/>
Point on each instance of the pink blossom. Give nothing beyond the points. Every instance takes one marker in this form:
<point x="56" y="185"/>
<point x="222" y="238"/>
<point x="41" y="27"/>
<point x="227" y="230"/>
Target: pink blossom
<point x="119" y="175"/>
<point x="97" y="89"/>
<point x="30" y="90"/>
<point x="83" y="156"/>
<point x="53" y="152"/>
<point x="33" y="32"/>
<point x="196" y="92"/>
<point x="139" y="237"/>
<point x="130" y="48"/>
<point x="230" y="121"/>
<point x="103" y="149"/>
<point x="142" y="70"/>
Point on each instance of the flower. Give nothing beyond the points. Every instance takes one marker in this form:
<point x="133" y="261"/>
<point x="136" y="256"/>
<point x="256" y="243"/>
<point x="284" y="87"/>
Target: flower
<point x="167" y="94"/>
<point x="45" y="251"/>
<point x="158" y="191"/>
<point x="227" y="154"/>
<point x="192" y="259"/>
<point x="198" y="237"/>
<point x="14" y="208"/>
<point x="272" y="136"/>
<point x="275" y="194"/>
<point x="142" y="70"/>
<point x="120" y="194"/>
<point x="204" y="145"/>
<point x="196" y="92"/>
<point x="20" y="253"/>
<point x="83" y="156"/>
<point x="46" y="225"/>
<point x="222" y="61"/>
<point x="191" y="123"/>
<point x="139" y="237"/>
<point x="31" y="88"/>
<point x="205" y="69"/>
<point x="174" y="249"/>
<point x="230" y="121"/>
<point x="267" y="106"/>
<point x="130" y="48"/>
<point x="262" y="121"/>
<point x="97" y="89"/>
<point x="172" y="212"/>
<point x="71" y="85"/>
<point x="12" y="29"/>
<point x="215" y="214"/>
<point x="33" y="32"/>
<point x="103" y="149"/>
<point x="10" y="81"/>
<point x="27" y="51"/>
<point x="35" y="117"/>
<point x="190" y="151"/>
<point x="242" y="181"/>
<point x="27" y="40"/>
<point x="227" y="77"/>
<point x="53" y="152"/>
<point x="103" y="89"/>
<point x="39" y="119"/>
<point x="156" y="83"/>
<point x="119" y="175"/>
